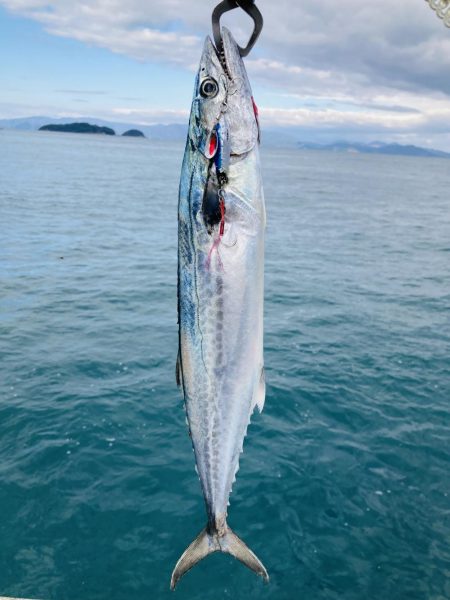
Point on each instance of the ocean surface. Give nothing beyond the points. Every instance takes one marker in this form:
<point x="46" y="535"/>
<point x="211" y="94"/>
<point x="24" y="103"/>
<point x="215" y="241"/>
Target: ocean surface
<point x="344" y="485"/>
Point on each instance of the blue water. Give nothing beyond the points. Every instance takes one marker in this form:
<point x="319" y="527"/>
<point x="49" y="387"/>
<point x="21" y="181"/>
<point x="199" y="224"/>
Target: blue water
<point x="344" y="486"/>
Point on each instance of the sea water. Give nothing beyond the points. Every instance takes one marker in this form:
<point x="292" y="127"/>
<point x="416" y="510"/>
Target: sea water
<point x="344" y="484"/>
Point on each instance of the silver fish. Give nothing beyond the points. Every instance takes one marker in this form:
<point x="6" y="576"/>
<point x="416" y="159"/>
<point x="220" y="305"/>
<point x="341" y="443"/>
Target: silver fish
<point x="220" y="288"/>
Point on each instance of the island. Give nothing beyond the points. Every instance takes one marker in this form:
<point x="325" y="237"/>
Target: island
<point x="133" y="133"/>
<point x="78" y="128"/>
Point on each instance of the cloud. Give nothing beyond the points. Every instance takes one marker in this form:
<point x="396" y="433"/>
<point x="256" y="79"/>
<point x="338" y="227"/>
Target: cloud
<point x="150" y="116"/>
<point x="115" y="25"/>
<point x="377" y="66"/>
<point x="332" y="117"/>
<point x="397" y="43"/>
<point x="83" y="92"/>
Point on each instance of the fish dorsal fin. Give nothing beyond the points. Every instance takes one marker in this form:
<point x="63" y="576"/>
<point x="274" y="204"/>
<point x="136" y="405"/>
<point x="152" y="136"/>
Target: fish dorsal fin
<point x="259" y="394"/>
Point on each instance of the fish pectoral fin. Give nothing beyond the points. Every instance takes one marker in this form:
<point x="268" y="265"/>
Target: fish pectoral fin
<point x="207" y="543"/>
<point x="203" y="545"/>
<point x="178" y="371"/>
<point x="260" y="392"/>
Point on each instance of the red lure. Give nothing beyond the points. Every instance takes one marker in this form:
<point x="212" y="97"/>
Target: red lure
<point x="212" y="144"/>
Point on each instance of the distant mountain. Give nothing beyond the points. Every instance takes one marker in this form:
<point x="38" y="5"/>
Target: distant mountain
<point x="272" y="137"/>
<point x="133" y="133"/>
<point x="374" y="148"/>
<point x="29" y="123"/>
<point x="78" y="128"/>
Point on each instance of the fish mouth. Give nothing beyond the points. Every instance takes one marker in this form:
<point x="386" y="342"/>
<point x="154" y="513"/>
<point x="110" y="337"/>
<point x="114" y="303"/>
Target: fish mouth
<point x="228" y="54"/>
<point x="220" y="53"/>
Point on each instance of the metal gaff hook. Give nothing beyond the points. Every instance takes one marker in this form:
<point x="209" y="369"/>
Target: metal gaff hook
<point x="250" y="8"/>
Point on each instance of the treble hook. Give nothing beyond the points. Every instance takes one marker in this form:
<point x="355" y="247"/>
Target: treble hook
<point x="250" y="8"/>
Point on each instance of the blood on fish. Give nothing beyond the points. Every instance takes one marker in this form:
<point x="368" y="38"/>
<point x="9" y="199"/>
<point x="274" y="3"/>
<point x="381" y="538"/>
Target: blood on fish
<point x="255" y="108"/>
<point x="222" y="216"/>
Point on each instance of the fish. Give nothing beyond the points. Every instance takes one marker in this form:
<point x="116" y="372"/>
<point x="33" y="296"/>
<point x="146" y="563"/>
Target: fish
<point x="221" y="225"/>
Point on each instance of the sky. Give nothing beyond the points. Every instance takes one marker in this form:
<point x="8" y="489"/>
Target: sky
<point x="327" y="70"/>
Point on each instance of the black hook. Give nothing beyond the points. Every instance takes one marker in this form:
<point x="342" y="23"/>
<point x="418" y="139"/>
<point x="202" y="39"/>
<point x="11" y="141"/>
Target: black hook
<point x="250" y="8"/>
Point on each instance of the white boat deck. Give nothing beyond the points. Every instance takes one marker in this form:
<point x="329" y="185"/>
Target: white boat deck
<point x="8" y="598"/>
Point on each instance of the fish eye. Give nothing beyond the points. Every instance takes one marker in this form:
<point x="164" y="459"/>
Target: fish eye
<point x="209" y="88"/>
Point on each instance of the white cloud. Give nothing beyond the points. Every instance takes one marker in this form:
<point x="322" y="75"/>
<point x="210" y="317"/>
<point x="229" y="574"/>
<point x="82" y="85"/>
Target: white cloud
<point x="112" y="24"/>
<point x="395" y="42"/>
<point x="330" y="117"/>
<point x="150" y="116"/>
<point x="374" y="65"/>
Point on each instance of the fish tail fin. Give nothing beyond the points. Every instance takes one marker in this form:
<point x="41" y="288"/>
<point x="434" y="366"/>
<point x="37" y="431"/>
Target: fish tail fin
<point x="207" y="543"/>
<point x="233" y="544"/>
<point x="203" y="545"/>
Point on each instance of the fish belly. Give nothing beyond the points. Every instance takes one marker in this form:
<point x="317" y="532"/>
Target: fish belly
<point x="221" y="320"/>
